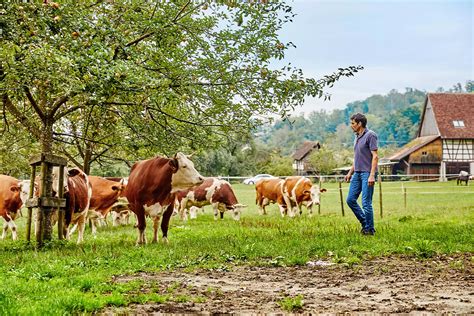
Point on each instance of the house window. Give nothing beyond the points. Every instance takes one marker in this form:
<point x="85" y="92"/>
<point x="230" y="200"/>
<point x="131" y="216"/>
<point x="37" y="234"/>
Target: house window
<point x="424" y="153"/>
<point x="458" y="123"/>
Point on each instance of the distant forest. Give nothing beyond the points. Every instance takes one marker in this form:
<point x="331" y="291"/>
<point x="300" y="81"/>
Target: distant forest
<point x="395" y="117"/>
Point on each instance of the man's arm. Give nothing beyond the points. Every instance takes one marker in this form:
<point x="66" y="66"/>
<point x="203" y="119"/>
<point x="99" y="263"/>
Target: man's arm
<point x="348" y="176"/>
<point x="375" y="161"/>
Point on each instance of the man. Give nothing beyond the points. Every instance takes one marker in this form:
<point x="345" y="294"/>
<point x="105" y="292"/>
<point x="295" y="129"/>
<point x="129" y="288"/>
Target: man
<point x="362" y="173"/>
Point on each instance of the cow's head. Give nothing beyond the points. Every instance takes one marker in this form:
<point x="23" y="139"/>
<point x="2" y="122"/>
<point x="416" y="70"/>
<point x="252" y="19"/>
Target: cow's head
<point x="119" y="189"/>
<point x="25" y="190"/>
<point x="237" y="210"/>
<point x="315" y="193"/>
<point x="193" y="210"/>
<point x="16" y="190"/>
<point x="56" y="178"/>
<point x="184" y="174"/>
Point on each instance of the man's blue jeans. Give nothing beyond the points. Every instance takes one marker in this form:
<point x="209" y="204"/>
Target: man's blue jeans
<point x="365" y="215"/>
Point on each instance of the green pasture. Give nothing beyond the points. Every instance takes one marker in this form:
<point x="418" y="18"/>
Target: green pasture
<point x="66" y="278"/>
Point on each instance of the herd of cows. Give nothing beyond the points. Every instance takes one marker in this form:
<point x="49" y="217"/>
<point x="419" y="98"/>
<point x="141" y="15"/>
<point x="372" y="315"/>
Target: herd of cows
<point x="157" y="188"/>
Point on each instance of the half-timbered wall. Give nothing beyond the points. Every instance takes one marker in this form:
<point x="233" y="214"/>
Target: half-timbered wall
<point x="458" y="150"/>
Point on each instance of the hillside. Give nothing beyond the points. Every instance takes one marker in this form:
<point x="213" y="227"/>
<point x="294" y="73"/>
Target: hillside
<point x="394" y="117"/>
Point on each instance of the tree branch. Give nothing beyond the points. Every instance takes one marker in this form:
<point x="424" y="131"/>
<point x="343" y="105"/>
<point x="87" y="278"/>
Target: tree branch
<point x="22" y="119"/>
<point x="66" y="112"/>
<point x="71" y="157"/>
<point x="34" y="103"/>
<point x="60" y="101"/>
<point x="100" y="154"/>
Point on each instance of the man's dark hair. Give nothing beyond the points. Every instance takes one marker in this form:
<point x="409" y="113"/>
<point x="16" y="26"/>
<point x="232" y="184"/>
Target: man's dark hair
<point x="359" y="117"/>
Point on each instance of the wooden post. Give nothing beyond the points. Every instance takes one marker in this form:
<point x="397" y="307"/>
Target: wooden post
<point x="60" y="195"/>
<point x="320" y="186"/>
<point x="40" y="218"/>
<point x="30" y="209"/>
<point x="380" y="195"/>
<point x="405" y="197"/>
<point x="340" y="195"/>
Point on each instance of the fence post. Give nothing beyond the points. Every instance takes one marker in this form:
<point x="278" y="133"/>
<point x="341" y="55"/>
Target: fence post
<point x="320" y="187"/>
<point x="380" y="195"/>
<point x="340" y="195"/>
<point x="404" y="197"/>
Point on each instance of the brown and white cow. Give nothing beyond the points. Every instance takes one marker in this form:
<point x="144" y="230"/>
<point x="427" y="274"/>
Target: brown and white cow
<point x="120" y="214"/>
<point x="77" y="192"/>
<point x="212" y="191"/>
<point x="105" y="194"/>
<point x="10" y="203"/>
<point x="151" y="186"/>
<point x="298" y="191"/>
<point x="270" y="191"/>
<point x="120" y="211"/>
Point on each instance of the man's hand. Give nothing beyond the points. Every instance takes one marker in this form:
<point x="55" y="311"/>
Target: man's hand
<point x="371" y="180"/>
<point x="348" y="177"/>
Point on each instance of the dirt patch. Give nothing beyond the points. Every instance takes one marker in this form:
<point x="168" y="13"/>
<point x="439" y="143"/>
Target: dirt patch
<point x="385" y="285"/>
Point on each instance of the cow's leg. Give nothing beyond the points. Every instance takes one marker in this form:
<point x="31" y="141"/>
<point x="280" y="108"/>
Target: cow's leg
<point x="156" y="222"/>
<point x="282" y="208"/>
<point x="9" y="223"/>
<point x="215" y="206"/>
<point x="81" y="225"/>
<point x="165" y="222"/>
<point x="72" y="230"/>
<point x="126" y="218"/>
<point x="94" y="223"/>
<point x="141" y="225"/>
<point x="289" y="208"/>
<point x="182" y="211"/>
<point x="310" y="210"/>
<point x="5" y="230"/>
<point x="263" y="203"/>
<point x="115" y="219"/>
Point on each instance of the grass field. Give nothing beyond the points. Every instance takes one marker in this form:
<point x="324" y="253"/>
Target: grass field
<point x="66" y="278"/>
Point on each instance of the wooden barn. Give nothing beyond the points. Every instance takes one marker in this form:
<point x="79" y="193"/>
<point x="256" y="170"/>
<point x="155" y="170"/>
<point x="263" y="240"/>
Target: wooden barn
<point x="301" y="156"/>
<point x="445" y="140"/>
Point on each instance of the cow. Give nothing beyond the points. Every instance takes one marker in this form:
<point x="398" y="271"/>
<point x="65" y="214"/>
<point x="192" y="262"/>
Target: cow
<point x="10" y="203"/>
<point x="212" y="191"/>
<point x="270" y="191"/>
<point x="463" y="177"/>
<point x="77" y="192"/>
<point x="120" y="214"/>
<point x="120" y="210"/>
<point x="193" y="211"/>
<point x="151" y="187"/>
<point x="105" y="194"/>
<point x="298" y="191"/>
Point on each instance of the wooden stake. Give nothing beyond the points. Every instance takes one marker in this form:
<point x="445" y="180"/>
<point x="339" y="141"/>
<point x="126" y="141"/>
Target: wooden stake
<point x="380" y="195"/>
<point x="340" y="195"/>
<point x="30" y="209"/>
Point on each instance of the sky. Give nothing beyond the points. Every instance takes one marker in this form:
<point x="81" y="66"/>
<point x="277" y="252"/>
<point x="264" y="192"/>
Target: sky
<point x="423" y="44"/>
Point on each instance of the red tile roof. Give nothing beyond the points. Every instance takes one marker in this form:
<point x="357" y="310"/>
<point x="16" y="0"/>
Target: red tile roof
<point x="448" y="107"/>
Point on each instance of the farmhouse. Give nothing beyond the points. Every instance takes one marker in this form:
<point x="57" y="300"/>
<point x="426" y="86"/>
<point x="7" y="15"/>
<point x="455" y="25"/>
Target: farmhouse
<point x="445" y="139"/>
<point x="301" y="163"/>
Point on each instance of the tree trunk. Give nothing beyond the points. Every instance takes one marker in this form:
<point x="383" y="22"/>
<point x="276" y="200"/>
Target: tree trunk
<point x="45" y="232"/>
